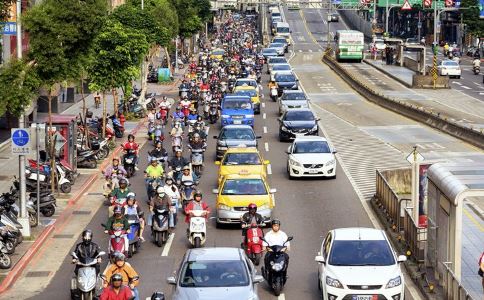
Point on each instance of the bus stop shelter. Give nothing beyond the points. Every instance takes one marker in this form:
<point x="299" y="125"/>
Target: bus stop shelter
<point x="449" y="184"/>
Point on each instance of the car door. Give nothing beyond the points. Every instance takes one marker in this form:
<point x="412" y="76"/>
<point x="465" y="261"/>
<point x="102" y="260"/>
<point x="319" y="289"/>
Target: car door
<point x="325" y="250"/>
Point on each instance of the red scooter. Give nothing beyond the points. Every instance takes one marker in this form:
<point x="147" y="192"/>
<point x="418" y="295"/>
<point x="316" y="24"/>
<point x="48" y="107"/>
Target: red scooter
<point x="117" y="242"/>
<point x="163" y="114"/>
<point x="253" y="248"/>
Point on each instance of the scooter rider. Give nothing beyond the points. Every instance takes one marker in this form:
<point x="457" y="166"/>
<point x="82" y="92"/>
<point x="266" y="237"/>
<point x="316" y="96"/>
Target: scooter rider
<point x="196" y="204"/>
<point x="187" y="175"/>
<point x="250" y="217"/>
<point x="116" y="290"/>
<point x="121" y="193"/>
<point x="177" y="114"/>
<point x="174" y="194"/>
<point x="158" y="152"/>
<point x="164" y="103"/>
<point x="178" y="160"/>
<point x="87" y="249"/>
<point x="118" y="220"/>
<point x="131" y="145"/>
<point x="161" y="200"/>
<point x="129" y="275"/>
<point x="275" y="237"/>
<point x="476" y="63"/>
<point x="115" y="170"/>
<point x="132" y="208"/>
<point x="197" y="143"/>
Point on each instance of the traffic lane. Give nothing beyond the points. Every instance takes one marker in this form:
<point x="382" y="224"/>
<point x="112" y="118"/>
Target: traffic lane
<point x="302" y="41"/>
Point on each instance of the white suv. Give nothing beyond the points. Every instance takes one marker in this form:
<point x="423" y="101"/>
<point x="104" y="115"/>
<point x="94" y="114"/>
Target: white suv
<point x="359" y="264"/>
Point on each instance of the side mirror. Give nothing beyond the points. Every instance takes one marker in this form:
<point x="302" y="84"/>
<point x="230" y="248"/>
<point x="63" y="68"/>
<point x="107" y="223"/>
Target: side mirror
<point x="258" y="279"/>
<point x="102" y="253"/>
<point x="318" y="119"/>
<point x="290" y="239"/>
<point x="272" y="191"/>
<point x="217" y="162"/>
<point x="401" y="258"/>
<point x="288" y="151"/>
<point x="103" y="225"/>
<point x="103" y="277"/>
<point x="258" y="136"/>
<point x="215" y="191"/>
<point x="320" y="259"/>
<point x="215" y="137"/>
<point x="266" y="162"/>
<point x="171" y="280"/>
<point x="334" y="151"/>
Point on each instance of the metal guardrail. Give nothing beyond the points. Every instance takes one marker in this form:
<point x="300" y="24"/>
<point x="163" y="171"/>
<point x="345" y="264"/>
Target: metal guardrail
<point x="452" y="287"/>
<point x="415" y="237"/>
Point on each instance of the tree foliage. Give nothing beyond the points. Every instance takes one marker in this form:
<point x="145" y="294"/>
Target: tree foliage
<point x="118" y="52"/>
<point x="475" y="25"/>
<point x="192" y="14"/>
<point x="5" y="9"/>
<point x="25" y="81"/>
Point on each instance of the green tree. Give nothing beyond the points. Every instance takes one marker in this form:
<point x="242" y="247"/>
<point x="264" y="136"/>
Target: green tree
<point x="475" y="26"/>
<point x="5" y="9"/>
<point x="19" y="85"/>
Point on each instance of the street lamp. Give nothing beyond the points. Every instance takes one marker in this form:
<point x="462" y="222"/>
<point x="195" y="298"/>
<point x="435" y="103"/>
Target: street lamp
<point x="387" y="13"/>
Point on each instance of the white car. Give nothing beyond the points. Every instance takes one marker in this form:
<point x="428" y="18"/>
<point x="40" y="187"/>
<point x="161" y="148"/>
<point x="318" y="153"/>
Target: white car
<point x="449" y="68"/>
<point x="311" y="156"/>
<point x="359" y="264"/>
<point x="277" y="68"/>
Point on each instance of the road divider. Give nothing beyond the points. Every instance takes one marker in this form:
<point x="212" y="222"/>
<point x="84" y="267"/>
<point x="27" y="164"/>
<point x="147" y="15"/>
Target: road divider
<point x="468" y="134"/>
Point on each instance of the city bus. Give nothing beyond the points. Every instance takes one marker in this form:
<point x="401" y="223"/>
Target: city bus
<point x="349" y="45"/>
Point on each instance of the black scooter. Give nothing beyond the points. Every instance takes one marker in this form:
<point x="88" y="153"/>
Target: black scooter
<point x="275" y="269"/>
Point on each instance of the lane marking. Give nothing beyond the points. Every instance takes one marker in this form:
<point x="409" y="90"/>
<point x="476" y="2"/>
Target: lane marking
<point x="264" y="115"/>
<point x="265" y="129"/>
<point x="167" y="247"/>
<point x="263" y="104"/>
<point x="281" y="297"/>
<point x="269" y="169"/>
<point x="266" y="146"/>
<point x="466" y="87"/>
<point x="471" y="217"/>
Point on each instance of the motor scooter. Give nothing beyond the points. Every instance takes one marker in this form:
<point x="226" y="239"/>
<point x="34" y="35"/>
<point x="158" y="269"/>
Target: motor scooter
<point x="176" y="142"/>
<point x="274" y="93"/>
<point x="129" y="163"/>
<point x="275" y="272"/>
<point x="159" y="228"/>
<point x="117" y="238"/>
<point x="86" y="159"/>
<point x="133" y="235"/>
<point x="164" y="110"/>
<point x="158" y="135"/>
<point x="197" y="160"/>
<point x="187" y="191"/>
<point x="213" y="113"/>
<point x="151" y="130"/>
<point x="197" y="232"/>
<point x="86" y="283"/>
<point x="153" y="184"/>
<point x="253" y="248"/>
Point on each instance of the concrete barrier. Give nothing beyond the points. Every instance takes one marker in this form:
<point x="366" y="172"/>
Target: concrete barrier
<point x="427" y="82"/>
<point x="415" y="112"/>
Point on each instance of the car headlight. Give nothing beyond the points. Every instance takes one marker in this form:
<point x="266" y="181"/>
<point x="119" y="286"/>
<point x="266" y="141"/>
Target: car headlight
<point x="333" y="282"/>
<point x="330" y="163"/>
<point x="222" y="148"/>
<point x="278" y="266"/>
<point x="225" y="116"/>
<point x="294" y="163"/>
<point x="315" y="127"/>
<point x="294" y="86"/>
<point x="394" y="282"/>
<point x="249" y="116"/>
<point x="284" y="128"/>
<point x="224" y="207"/>
<point x="264" y="206"/>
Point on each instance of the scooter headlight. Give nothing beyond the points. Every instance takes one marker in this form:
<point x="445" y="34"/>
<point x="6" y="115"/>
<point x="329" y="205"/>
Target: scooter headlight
<point x="278" y="266"/>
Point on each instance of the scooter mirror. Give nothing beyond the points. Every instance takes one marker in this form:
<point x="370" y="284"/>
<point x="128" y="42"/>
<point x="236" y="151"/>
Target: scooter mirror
<point x="102" y="253"/>
<point x="289" y="238"/>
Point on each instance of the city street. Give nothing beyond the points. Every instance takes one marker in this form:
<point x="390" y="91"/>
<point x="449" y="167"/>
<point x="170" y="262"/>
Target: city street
<point x="367" y="137"/>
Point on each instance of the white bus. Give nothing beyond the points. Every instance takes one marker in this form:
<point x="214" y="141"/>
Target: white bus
<point x="349" y="45"/>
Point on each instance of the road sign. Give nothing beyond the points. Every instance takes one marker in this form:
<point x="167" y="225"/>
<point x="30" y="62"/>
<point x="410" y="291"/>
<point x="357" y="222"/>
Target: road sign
<point x="20" y="141"/>
<point x="427" y="3"/>
<point x="8" y="28"/>
<point x="415" y="156"/>
<point x="406" y="6"/>
<point x="419" y="25"/>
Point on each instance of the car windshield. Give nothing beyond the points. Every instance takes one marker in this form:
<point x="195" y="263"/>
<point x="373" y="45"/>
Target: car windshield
<point x="218" y="52"/>
<point x="237" y="134"/>
<point x="236" y="104"/>
<point x="276" y="45"/>
<point x="361" y="253"/>
<point x="312" y="147"/>
<point x="293" y="96"/>
<point x="268" y="50"/>
<point x="279" y="40"/>
<point x="281" y="67"/>
<point x="277" y="60"/>
<point x="244" y="187"/>
<point x="282" y="29"/>
<point x="219" y="273"/>
<point x="285" y="77"/>
<point x="251" y="93"/>
<point x="241" y="159"/>
<point x="450" y="63"/>
<point x="246" y="82"/>
<point x="299" y="116"/>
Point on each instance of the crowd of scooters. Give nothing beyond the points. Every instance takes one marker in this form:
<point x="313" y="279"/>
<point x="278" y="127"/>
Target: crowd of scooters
<point x="171" y="184"/>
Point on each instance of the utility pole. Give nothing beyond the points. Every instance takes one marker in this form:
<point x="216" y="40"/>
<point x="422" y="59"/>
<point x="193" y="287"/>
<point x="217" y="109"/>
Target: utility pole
<point x="24" y="218"/>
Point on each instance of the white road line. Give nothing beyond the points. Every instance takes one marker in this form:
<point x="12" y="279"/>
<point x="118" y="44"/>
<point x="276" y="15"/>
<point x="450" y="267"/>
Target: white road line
<point x="269" y="169"/>
<point x="266" y="146"/>
<point x="265" y="129"/>
<point x="481" y="93"/>
<point x="167" y="247"/>
<point x="466" y="87"/>
<point x="263" y="105"/>
<point x="310" y="50"/>
<point x="281" y="297"/>
<point x="457" y="82"/>
<point x="264" y="116"/>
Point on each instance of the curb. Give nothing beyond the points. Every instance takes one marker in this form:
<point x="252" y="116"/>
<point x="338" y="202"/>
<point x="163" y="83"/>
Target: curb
<point x="409" y="85"/>
<point x="18" y="269"/>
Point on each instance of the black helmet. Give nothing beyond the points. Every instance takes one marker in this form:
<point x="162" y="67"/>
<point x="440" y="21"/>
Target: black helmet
<point x="86" y="236"/>
<point x="158" y="296"/>
<point x="275" y="222"/>
<point x="130" y="136"/>
<point x="118" y="256"/>
<point x="198" y="194"/>
<point x="123" y="181"/>
<point x="116" y="277"/>
<point x="117" y="210"/>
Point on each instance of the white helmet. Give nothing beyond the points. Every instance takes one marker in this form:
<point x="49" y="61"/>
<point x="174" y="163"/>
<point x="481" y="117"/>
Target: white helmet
<point x="160" y="191"/>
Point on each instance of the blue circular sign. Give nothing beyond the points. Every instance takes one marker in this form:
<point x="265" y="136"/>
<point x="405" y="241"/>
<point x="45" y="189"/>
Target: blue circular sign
<point x="20" y="137"/>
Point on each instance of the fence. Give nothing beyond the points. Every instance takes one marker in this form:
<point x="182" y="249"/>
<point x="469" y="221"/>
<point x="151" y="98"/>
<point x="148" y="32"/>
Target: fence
<point x="414" y="236"/>
<point x="452" y="287"/>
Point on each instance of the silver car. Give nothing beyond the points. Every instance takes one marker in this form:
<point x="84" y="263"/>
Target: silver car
<point x="291" y="99"/>
<point x="215" y="273"/>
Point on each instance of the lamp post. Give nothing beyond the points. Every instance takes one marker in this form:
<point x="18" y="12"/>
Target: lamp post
<point x="387" y="13"/>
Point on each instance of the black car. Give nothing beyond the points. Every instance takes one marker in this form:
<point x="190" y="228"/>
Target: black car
<point x="297" y="122"/>
<point x="285" y="80"/>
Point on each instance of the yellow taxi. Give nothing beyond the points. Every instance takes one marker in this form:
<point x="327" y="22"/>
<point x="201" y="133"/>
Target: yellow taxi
<point x="217" y="54"/>
<point x="237" y="191"/>
<point x="236" y="160"/>
<point x="248" y="90"/>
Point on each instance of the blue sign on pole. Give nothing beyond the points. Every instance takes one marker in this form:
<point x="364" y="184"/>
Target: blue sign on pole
<point x="9" y="28"/>
<point x="481" y="8"/>
<point x="20" y="141"/>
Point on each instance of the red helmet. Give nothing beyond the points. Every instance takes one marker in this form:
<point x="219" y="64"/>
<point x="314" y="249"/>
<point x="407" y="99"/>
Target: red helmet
<point x="252" y="206"/>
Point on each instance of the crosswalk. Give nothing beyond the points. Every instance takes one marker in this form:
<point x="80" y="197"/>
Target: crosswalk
<point x="309" y="50"/>
<point x="359" y="154"/>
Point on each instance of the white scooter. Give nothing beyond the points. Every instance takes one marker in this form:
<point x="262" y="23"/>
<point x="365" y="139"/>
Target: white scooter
<point x="274" y="94"/>
<point x="85" y="284"/>
<point x="197" y="232"/>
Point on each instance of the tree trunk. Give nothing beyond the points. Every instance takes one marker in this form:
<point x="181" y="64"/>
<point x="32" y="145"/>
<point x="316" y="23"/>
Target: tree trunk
<point x="115" y="98"/>
<point x="104" y="115"/>
<point x="84" y="115"/>
<point x="51" y="143"/>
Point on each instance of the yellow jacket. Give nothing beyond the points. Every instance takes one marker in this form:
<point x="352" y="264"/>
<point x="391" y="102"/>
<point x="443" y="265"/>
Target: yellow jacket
<point x="126" y="271"/>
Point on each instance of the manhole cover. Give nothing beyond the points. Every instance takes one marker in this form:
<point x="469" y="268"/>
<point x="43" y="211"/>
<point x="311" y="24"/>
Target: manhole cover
<point x="95" y="194"/>
<point x="38" y="274"/>
<point x="63" y="236"/>
<point x="81" y="212"/>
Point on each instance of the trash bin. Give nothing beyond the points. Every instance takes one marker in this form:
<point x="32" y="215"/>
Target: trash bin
<point x="164" y="75"/>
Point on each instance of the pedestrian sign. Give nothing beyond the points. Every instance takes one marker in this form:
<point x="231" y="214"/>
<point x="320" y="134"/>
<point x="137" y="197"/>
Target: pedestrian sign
<point x="406" y="6"/>
<point x="20" y="141"/>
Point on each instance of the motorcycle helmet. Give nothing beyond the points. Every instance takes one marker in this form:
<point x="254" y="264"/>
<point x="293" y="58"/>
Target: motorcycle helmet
<point x="178" y="108"/>
<point x="199" y="119"/>
<point x="154" y="160"/>
<point x="252" y="207"/>
<point x="196" y="136"/>
<point x="117" y="210"/>
<point x="116" y="277"/>
<point x="123" y="182"/>
<point x="130" y="136"/>
<point x="158" y="296"/>
<point x="197" y="194"/>
<point x="116" y="159"/>
<point x="160" y="191"/>
<point x="275" y="222"/>
<point x="169" y="180"/>
<point x="86" y="236"/>
<point x="159" y="143"/>
<point x="186" y="168"/>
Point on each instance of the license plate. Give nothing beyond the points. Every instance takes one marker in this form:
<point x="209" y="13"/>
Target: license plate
<point x="364" y="297"/>
<point x="313" y="171"/>
<point x="237" y="122"/>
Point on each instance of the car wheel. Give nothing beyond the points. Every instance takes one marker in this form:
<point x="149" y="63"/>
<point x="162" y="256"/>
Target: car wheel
<point x="289" y="173"/>
<point x="458" y="77"/>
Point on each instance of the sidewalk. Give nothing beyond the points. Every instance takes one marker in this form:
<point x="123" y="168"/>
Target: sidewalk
<point x="69" y="219"/>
